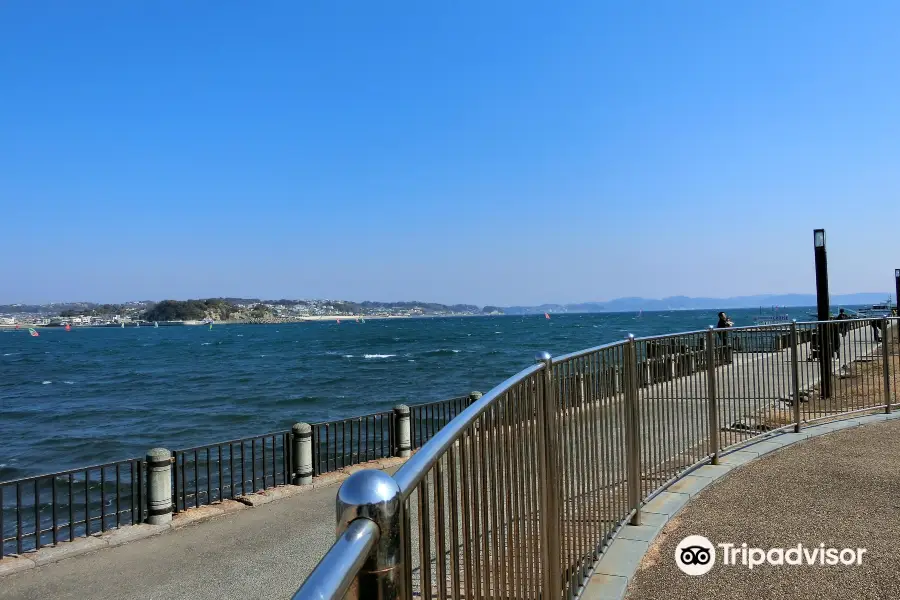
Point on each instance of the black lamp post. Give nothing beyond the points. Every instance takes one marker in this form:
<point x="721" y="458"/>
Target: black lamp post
<point x="823" y="310"/>
<point x="897" y="290"/>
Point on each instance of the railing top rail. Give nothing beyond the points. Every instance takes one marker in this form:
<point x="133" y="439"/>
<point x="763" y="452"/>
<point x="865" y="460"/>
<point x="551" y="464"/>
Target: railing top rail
<point x="586" y="351"/>
<point x="669" y="336"/>
<point x="463" y="397"/>
<point x="70" y="471"/>
<point x="380" y="413"/>
<point x="415" y="469"/>
<point x="387" y="411"/>
<point x="234" y="441"/>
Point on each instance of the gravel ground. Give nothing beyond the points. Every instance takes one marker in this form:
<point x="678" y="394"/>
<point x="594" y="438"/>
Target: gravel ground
<point x="840" y="489"/>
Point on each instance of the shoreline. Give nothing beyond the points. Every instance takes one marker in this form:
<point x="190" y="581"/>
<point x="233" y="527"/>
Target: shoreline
<point x="270" y="321"/>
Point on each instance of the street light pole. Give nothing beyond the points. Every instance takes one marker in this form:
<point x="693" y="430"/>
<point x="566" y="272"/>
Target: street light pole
<point x="823" y="310"/>
<point x="897" y="290"/>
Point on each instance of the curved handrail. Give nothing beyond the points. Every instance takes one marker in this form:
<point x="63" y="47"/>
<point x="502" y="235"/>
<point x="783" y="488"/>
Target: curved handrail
<point x="412" y="472"/>
<point x="586" y="351"/>
<point x="336" y="571"/>
<point x="526" y="437"/>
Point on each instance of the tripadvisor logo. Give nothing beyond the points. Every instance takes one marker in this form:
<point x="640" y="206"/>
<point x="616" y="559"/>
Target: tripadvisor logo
<point x="696" y="555"/>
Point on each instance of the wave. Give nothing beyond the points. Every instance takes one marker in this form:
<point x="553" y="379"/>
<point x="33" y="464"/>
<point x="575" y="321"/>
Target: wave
<point x="205" y="344"/>
<point x="441" y="352"/>
<point x="68" y="382"/>
<point x="46" y="382"/>
<point x="378" y="355"/>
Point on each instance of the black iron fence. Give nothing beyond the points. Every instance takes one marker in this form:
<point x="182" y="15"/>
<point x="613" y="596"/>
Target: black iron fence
<point x="208" y="474"/>
<point x="47" y="509"/>
<point x="345" y="442"/>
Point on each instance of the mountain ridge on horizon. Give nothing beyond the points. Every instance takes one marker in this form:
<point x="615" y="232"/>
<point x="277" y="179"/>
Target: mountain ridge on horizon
<point x="636" y="303"/>
<point x="623" y="304"/>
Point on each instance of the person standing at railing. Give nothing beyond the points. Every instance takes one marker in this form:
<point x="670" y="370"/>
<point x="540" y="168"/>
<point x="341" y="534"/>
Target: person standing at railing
<point x="724" y="323"/>
<point x="841" y="330"/>
<point x="876" y="329"/>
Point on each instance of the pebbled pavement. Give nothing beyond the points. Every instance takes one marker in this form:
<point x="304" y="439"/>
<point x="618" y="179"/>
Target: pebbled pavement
<point x="840" y="489"/>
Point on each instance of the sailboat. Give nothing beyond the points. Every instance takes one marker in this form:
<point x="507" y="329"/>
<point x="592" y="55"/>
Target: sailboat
<point x="68" y="327"/>
<point x="546" y="315"/>
<point x="155" y="324"/>
<point x="33" y="332"/>
<point x="123" y="325"/>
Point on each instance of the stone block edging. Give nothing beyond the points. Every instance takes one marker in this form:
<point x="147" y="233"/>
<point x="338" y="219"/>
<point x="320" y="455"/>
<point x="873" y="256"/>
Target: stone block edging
<point x="615" y="569"/>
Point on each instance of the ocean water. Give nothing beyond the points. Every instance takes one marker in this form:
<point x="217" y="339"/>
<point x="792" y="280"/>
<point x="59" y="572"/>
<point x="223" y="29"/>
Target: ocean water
<point x="93" y="395"/>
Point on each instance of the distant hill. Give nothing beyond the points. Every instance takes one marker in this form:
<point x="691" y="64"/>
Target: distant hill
<point x="688" y="303"/>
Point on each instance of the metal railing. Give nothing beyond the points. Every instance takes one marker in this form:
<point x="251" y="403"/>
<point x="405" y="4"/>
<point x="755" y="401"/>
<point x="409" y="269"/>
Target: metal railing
<point x="345" y="442"/>
<point x="522" y="492"/>
<point x="227" y="470"/>
<point x="47" y="509"/>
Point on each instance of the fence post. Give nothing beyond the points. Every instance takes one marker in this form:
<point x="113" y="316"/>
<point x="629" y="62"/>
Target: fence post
<point x="374" y="495"/>
<point x="795" y="374"/>
<point x="302" y="455"/>
<point x="632" y="432"/>
<point x="549" y="497"/>
<point x="885" y="358"/>
<point x="159" y="486"/>
<point x="579" y="382"/>
<point x="711" y="395"/>
<point x="402" y="427"/>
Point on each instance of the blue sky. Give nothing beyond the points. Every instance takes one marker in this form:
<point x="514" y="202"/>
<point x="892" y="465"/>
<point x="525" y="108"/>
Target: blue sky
<point x="487" y="152"/>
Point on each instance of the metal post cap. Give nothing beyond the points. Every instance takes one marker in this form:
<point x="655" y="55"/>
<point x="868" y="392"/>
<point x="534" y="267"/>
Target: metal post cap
<point x="372" y="494"/>
<point x="542" y="357"/>
<point x="401" y="409"/>
<point x="301" y="428"/>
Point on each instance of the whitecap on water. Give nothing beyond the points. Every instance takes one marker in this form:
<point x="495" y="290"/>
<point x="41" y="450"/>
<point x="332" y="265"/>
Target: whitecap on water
<point x="68" y="382"/>
<point x="205" y="344"/>
<point x="46" y="382"/>
<point x="348" y="356"/>
<point x="379" y="355"/>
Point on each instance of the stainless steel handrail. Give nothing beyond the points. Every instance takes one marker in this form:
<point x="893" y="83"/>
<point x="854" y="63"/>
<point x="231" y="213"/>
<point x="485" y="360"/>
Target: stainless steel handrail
<point x="503" y="487"/>
<point x="337" y="570"/>
<point x="412" y="472"/>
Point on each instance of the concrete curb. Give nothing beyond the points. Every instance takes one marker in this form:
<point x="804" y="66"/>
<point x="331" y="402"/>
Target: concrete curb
<point x="617" y="566"/>
<point x="192" y="516"/>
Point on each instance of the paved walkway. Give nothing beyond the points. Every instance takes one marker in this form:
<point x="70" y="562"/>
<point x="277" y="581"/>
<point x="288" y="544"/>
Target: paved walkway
<point x="260" y="552"/>
<point x="839" y="489"/>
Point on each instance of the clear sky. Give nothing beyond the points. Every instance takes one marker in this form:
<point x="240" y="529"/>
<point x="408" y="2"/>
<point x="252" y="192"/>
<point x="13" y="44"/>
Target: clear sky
<point x="492" y="152"/>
